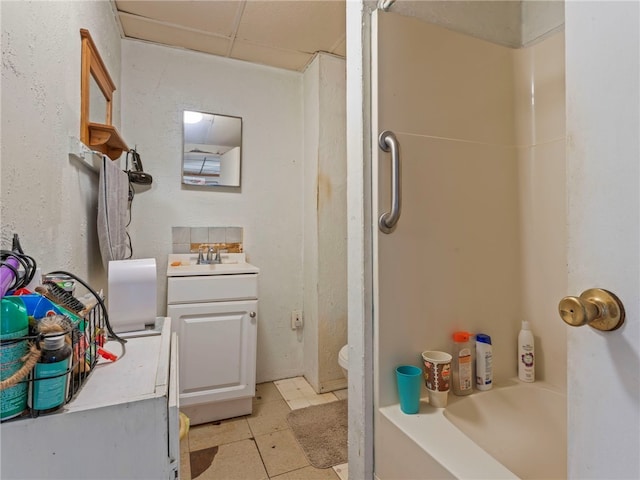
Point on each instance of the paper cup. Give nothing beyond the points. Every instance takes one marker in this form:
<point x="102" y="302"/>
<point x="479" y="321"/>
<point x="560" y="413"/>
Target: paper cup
<point x="437" y="373"/>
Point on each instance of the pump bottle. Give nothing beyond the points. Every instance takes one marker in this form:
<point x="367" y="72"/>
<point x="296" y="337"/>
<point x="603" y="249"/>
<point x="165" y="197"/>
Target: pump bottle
<point x="526" y="354"/>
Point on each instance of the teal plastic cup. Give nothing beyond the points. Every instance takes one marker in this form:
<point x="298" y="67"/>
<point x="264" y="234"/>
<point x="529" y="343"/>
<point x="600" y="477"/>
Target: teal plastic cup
<point x="409" y="379"/>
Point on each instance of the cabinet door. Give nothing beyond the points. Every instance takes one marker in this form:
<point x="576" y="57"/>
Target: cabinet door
<point x="217" y="346"/>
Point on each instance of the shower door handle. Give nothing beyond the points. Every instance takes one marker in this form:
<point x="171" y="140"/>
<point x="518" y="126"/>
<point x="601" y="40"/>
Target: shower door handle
<point x="388" y="220"/>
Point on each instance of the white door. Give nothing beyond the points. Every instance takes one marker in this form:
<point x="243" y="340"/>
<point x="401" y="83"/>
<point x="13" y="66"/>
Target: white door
<point x="217" y="345"/>
<point x="603" y="157"/>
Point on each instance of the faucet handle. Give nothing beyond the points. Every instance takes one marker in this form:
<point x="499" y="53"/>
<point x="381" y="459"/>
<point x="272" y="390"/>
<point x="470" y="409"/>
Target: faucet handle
<point x="217" y="258"/>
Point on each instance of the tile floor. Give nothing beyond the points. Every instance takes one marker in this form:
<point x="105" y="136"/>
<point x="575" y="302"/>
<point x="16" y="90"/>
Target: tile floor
<point x="261" y="445"/>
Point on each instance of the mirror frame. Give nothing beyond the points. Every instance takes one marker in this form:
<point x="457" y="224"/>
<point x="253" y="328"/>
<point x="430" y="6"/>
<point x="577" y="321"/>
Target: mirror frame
<point x="92" y="65"/>
<point x="103" y="137"/>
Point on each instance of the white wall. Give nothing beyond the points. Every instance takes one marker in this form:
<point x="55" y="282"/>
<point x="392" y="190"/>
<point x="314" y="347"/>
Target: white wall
<point x="332" y="221"/>
<point x="309" y="334"/>
<point x="325" y="223"/>
<point x="230" y="167"/>
<point x="47" y="198"/>
<point x="359" y="253"/>
<point x="158" y="84"/>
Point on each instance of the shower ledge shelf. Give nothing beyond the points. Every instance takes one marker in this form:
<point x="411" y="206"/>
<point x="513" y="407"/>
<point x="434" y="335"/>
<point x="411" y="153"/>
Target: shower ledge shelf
<point x="82" y="153"/>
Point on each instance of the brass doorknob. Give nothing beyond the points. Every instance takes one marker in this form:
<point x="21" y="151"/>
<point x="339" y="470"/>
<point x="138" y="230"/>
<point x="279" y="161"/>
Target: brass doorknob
<point x="599" y="308"/>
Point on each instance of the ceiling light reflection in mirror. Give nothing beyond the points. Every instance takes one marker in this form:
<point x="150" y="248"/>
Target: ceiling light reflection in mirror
<point x="212" y="150"/>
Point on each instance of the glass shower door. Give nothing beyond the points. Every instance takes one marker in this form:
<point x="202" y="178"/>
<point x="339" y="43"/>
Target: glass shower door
<point x="447" y="98"/>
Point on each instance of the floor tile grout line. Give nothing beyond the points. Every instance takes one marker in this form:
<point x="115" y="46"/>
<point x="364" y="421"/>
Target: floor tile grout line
<point x="260" y="454"/>
<point x="253" y="436"/>
<point x="288" y="471"/>
<point x="223" y="444"/>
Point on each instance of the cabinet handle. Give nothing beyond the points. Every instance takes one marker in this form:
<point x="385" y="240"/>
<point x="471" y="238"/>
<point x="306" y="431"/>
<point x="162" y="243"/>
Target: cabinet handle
<point x="252" y="314"/>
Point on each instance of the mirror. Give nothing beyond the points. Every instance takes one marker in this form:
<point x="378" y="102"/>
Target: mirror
<point x="97" y="103"/>
<point x="212" y="149"/>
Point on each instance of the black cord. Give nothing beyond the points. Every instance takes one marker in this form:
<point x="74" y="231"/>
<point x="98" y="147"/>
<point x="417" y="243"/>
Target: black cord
<point x="104" y="308"/>
<point x="132" y="194"/>
<point x="130" y="246"/>
<point x="20" y="279"/>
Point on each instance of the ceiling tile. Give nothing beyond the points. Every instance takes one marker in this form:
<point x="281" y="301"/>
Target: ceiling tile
<point x="138" y="27"/>
<point x="280" y="33"/>
<point x="304" y="25"/>
<point x="255" y="53"/>
<point x="209" y="16"/>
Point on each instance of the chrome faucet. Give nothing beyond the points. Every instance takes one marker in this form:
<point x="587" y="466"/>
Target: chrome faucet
<point x="213" y="256"/>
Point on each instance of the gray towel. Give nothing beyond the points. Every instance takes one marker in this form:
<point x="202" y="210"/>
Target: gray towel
<point x="113" y="202"/>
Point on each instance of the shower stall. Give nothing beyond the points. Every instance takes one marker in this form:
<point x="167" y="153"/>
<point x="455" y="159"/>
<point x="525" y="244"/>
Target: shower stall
<point x="481" y="239"/>
<point x="482" y="198"/>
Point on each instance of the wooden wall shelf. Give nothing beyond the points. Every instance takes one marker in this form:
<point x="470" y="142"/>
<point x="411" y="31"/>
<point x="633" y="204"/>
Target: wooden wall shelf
<point x="106" y="139"/>
<point x="103" y="137"/>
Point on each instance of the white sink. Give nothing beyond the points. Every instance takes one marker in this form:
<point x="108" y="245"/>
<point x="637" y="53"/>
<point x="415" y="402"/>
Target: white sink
<point x="186" y="265"/>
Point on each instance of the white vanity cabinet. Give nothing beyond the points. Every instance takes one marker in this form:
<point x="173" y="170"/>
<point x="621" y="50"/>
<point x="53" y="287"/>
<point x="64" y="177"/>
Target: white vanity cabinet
<point x="215" y="316"/>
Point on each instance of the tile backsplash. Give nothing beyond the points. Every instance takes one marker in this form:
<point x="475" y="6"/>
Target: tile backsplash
<point x="188" y="239"/>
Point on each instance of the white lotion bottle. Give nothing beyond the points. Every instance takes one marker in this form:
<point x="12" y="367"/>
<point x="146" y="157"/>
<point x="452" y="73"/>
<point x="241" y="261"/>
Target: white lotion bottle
<point x="526" y="354"/>
<point x="484" y="362"/>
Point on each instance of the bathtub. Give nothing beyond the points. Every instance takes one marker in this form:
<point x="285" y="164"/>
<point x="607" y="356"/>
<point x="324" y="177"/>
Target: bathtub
<point x="515" y="430"/>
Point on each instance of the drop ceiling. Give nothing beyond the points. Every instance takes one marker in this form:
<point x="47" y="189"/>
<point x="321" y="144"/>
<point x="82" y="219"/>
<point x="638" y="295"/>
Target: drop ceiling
<point x="279" y="33"/>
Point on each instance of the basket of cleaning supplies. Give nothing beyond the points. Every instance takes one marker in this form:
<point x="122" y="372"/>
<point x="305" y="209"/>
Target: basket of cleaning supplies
<point x="49" y="344"/>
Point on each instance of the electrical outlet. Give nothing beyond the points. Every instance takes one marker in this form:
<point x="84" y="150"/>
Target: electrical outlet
<point x="296" y="319"/>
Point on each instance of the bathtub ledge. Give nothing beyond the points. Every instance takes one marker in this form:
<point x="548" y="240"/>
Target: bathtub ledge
<point x="443" y="441"/>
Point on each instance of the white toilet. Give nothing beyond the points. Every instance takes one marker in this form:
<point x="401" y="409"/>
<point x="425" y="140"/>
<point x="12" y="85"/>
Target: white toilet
<point x="343" y="360"/>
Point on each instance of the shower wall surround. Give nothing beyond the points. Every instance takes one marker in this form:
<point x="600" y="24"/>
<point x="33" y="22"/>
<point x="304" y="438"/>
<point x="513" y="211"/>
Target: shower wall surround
<point x="539" y="101"/>
<point x="483" y="222"/>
